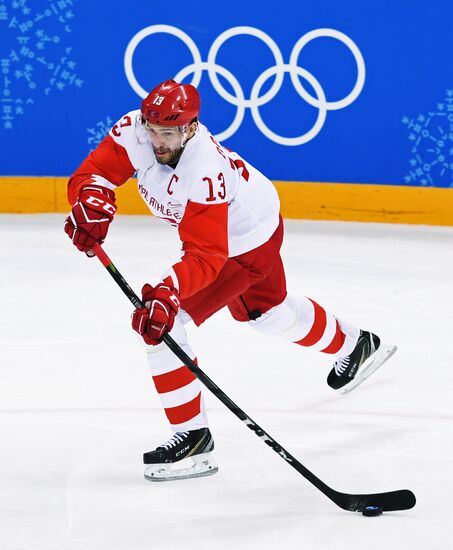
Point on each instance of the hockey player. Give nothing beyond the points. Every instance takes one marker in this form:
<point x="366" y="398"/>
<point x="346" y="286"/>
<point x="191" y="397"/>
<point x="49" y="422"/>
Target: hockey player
<point x="227" y="215"/>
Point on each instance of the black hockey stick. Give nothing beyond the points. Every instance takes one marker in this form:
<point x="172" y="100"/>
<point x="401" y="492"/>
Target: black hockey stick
<point x="393" y="500"/>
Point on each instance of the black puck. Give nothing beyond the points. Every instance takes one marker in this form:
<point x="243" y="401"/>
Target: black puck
<point x="371" y="511"/>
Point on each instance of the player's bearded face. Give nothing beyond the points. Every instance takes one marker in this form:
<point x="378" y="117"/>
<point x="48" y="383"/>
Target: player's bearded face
<point x="167" y="142"/>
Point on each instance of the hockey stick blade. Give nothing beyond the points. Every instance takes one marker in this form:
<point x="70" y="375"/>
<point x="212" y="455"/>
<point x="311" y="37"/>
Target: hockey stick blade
<point x="391" y="501"/>
<point x="388" y="502"/>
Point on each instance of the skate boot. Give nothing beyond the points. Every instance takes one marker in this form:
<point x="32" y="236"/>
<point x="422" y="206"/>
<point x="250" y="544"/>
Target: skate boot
<point x="367" y="356"/>
<point x="184" y="455"/>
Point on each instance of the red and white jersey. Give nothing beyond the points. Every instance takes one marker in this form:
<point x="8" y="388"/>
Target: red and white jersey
<point x="221" y="205"/>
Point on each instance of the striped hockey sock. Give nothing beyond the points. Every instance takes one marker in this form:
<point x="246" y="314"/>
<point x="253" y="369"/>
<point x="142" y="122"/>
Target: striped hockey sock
<point x="178" y="388"/>
<point x="305" y="322"/>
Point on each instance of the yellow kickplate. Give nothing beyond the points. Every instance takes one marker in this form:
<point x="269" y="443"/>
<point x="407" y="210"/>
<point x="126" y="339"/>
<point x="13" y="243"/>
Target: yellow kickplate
<point x="310" y="201"/>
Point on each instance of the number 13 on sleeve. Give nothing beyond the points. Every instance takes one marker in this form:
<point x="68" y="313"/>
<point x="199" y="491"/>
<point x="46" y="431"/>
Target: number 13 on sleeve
<point x="212" y="196"/>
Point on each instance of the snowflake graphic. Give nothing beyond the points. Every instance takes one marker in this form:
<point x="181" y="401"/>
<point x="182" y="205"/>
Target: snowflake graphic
<point x="432" y="146"/>
<point x="35" y="54"/>
<point x="98" y="132"/>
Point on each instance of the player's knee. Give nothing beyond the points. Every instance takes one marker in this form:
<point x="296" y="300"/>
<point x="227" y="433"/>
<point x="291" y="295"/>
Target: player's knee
<point x="278" y="319"/>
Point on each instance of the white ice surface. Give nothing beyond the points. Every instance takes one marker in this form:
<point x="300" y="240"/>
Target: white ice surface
<point x="78" y="407"/>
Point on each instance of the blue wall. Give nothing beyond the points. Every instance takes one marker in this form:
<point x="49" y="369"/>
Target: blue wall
<point x="63" y="83"/>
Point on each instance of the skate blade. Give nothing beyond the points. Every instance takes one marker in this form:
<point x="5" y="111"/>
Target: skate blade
<point x="203" y="465"/>
<point x="366" y="370"/>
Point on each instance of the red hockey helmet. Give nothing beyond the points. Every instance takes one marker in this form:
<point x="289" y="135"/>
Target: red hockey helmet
<point x="171" y="104"/>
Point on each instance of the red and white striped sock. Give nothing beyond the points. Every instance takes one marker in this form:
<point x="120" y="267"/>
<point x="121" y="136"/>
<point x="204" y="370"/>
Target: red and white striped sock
<point x="322" y="331"/>
<point x="178" y="388"/>
<point x="305" y="322"/>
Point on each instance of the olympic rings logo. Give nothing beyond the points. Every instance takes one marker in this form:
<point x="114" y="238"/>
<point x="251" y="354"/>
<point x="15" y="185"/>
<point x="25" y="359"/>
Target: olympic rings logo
<point x="255" y="101"/>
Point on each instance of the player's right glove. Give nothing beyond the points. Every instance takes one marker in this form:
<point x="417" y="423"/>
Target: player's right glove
<point x="90" y="217"/>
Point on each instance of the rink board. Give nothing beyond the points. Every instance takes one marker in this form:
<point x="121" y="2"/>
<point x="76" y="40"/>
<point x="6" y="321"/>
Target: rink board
<point x="311" y="201"/>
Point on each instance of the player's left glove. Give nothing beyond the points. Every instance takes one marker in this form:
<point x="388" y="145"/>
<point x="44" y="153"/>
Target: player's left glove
<point x="158" y="317"/>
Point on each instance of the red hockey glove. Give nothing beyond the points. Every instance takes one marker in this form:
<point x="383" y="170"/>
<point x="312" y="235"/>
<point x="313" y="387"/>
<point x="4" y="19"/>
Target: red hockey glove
<point x="90" y="217"/>
<point x="158" y="317"/>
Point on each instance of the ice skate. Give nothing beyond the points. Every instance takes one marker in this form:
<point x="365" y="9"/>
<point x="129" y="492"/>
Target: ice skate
<point x="367" y="356"/>
<point x="183" y="456"/>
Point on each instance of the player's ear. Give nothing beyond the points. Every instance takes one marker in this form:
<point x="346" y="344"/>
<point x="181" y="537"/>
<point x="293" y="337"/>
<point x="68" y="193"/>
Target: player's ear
<point x="193" y="126"/>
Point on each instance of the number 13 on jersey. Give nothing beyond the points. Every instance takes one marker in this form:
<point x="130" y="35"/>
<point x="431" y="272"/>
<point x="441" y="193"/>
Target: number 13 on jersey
<point x="220" y="194"/>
